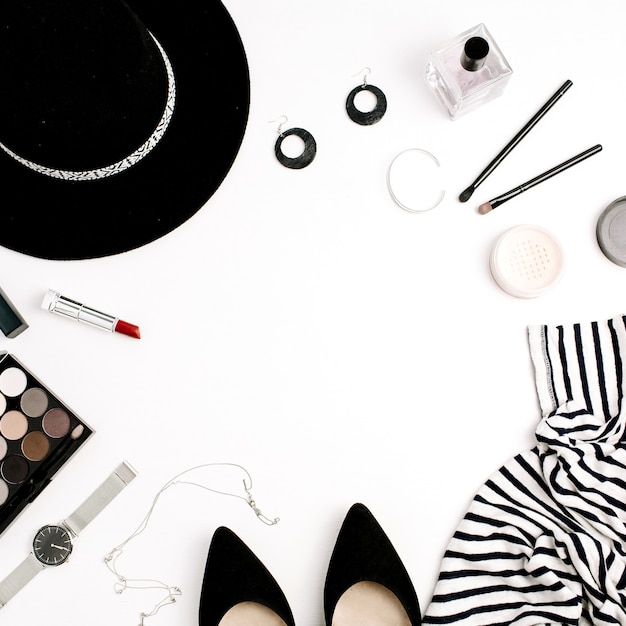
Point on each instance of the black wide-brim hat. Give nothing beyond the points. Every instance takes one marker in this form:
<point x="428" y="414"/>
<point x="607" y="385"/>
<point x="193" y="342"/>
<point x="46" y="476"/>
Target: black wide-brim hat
<point x="156" y="92"/>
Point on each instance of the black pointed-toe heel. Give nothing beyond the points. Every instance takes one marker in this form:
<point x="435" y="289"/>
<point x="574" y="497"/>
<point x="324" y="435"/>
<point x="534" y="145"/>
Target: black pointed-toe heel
<point x="235" y="577"/>
<point x="364" y="554"/>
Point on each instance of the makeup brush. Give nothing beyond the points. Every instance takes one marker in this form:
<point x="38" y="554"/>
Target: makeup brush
<point x="467" y="194"/>
<point x="492" y="204"/>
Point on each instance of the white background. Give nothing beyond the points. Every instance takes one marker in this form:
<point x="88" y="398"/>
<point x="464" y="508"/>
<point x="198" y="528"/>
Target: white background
<point x="303" y="325"/>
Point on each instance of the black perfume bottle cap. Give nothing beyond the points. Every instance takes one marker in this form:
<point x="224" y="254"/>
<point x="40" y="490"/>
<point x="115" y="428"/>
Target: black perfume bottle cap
<point x="474" y="54"/>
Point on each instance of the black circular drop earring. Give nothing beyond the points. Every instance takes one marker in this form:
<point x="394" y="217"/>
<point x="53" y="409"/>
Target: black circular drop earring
<point x="366" y="118"/>
<point x="303" y="159"/>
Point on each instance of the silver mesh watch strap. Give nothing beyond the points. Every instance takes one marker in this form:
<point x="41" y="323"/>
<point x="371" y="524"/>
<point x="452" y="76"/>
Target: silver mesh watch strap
<point x="99" y="499"/>
<point x="18" y="578"/>
<point x="75" y="523"/>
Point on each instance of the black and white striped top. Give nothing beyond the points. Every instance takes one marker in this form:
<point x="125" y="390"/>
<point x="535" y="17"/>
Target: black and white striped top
<point x="544" y="540"/>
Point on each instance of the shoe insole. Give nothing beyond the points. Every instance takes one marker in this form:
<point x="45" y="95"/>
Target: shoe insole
<point x="251" y="614"/>
<point x="369" y="604"/>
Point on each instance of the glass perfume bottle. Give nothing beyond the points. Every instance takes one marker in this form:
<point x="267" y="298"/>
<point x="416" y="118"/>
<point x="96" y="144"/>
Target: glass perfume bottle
<point x="468" y="71"/>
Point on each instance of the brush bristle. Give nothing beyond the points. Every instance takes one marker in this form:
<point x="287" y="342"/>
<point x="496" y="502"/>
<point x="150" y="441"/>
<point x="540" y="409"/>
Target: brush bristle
<point x="484" y="208"/>
<point x="467" y="194"/>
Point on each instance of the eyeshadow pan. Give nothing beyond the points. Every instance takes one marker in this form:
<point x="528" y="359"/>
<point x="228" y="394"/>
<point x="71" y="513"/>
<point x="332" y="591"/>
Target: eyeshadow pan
<point x="13" y="381"/>
<point x="14" y="469"/>
<point x="4" y="492"/>
<point x="3" y="404"/>
<point x="34" y="402"/>
<point x="56" y="423"/>
<point x="4" y="446"/>
<point x="35" y="446"/>
<point x="13" y="425"/>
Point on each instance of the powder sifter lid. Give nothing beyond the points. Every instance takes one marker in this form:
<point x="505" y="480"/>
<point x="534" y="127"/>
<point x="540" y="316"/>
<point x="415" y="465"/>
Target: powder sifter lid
<point x="526" y="261"/>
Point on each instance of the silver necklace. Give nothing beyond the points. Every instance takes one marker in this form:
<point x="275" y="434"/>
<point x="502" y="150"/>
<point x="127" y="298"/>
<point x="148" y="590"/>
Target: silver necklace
<point x="172" y="591"/>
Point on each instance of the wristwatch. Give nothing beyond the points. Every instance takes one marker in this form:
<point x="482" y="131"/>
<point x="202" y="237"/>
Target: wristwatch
<point x="52" y="544"/>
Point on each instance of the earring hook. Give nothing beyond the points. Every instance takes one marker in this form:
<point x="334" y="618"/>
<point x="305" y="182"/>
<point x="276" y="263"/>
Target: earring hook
<point x="365" y="71"/>
<point x="280" y="126"/>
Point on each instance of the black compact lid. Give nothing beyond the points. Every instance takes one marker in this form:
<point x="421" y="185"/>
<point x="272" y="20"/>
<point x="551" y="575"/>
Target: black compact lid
<point x="11" y="322"/>
<point x="611" y="231"/>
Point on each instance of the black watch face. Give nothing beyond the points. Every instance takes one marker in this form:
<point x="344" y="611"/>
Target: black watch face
<point x="52" y="545"/>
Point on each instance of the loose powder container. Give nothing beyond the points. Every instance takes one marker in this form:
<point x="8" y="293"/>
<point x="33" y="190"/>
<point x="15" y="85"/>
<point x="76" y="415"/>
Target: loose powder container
<point x="526" y="261"/>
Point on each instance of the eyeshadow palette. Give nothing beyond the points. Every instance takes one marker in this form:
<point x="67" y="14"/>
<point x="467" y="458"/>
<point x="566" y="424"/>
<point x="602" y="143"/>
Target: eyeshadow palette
<point x="38" y="434"/>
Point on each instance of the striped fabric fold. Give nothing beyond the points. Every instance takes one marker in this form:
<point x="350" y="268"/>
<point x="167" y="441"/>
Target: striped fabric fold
<point x="544" y="539"/>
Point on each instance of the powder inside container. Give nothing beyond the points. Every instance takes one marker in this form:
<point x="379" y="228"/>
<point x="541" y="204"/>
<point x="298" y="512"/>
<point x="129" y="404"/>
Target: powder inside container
<point x="34" y="402"/>
<point x="4" y="446"/>
<point x="12" y="382"/>
<point x="35" y="446"/>
<point x="14" y="469"/>
<point x="4" y="492"/>
<point x="13" y="425"/>
<point x="56" y="423"/>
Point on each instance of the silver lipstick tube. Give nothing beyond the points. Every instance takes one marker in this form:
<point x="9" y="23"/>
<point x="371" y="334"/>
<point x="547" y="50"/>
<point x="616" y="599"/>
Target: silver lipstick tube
<point x="56" y="303"/>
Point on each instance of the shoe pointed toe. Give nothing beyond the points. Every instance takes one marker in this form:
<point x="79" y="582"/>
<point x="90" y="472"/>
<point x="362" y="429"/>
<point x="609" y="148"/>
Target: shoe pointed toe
<point x="364" y="553"/>
<point x="234" y="575"/>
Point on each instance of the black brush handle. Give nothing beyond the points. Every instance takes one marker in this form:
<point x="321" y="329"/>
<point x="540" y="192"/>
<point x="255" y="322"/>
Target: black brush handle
<point x="557" y="169"/>
<point x="520" y="135"/>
